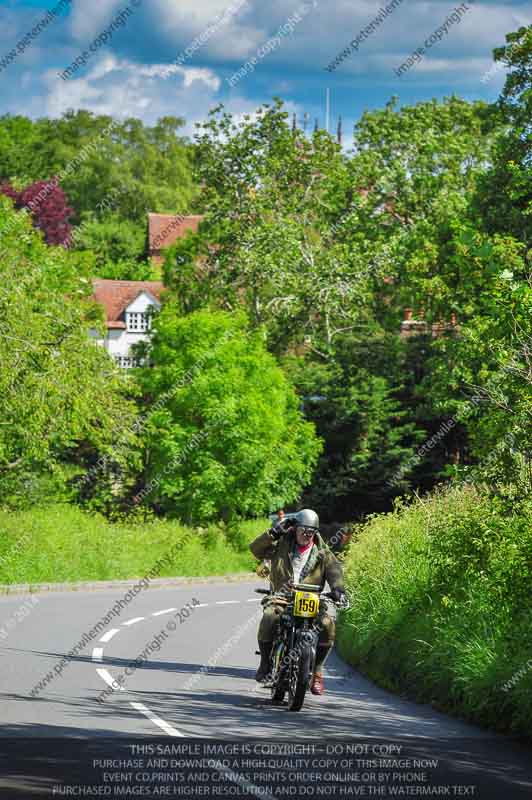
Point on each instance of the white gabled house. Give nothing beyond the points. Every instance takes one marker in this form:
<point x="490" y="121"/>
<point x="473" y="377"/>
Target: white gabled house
<point x="128" y="306"/>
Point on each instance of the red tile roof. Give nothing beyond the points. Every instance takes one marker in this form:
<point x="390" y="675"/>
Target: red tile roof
<point x="165" y="229"/>
<point x="115" y="296"/>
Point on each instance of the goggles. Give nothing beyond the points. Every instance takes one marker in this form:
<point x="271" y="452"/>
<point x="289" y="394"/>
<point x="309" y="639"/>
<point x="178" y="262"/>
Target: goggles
<point x="308" y="532"/>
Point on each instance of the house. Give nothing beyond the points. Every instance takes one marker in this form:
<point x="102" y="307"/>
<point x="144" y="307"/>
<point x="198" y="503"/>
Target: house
<point x="165" y="229"/>
<point x="128" y="307"/>
<point x="412" y="327"/>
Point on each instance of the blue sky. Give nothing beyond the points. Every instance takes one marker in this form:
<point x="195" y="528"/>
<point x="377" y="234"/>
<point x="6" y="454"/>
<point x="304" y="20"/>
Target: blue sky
<point x="132" y="73"/>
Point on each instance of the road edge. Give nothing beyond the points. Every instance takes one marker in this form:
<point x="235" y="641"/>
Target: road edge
<point x="90" y="586"/>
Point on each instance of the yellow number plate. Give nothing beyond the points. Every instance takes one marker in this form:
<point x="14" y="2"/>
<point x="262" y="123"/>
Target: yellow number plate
<point x="306" y="604"/>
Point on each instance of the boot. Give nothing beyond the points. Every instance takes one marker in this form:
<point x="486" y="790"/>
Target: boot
<point x="317" y="685"/>
<point x="264" y="666"/>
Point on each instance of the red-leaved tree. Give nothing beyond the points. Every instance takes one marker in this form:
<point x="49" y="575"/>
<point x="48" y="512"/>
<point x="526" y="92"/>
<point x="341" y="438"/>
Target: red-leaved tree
<point x="47" y="204"/>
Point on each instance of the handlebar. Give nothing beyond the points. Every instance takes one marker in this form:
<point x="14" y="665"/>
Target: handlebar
<point x="308" y="587"/>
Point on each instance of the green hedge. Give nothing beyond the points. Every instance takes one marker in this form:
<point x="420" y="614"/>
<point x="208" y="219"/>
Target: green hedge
<point x="62" y="543"/>
<point x="442" y="602"/>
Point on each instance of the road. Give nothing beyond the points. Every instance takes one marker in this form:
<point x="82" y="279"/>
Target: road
<point x="199" y="684"/>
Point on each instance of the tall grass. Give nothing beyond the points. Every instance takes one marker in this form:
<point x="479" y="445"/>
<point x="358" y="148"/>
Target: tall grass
<point x="62" y="543"/>
<point x="442" y="606"/>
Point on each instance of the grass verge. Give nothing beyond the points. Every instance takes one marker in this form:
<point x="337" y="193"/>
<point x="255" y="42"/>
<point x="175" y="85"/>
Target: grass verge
<point x="442" y="606"/>
<point x="64" y="544"/>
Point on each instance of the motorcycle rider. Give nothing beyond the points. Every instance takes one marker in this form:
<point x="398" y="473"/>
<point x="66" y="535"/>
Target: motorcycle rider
<point x="298" y="554"/>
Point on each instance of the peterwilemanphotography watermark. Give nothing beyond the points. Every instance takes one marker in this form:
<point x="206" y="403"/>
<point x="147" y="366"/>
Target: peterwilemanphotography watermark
<point x="364" y="34"/>
<point x="30" y="37"/>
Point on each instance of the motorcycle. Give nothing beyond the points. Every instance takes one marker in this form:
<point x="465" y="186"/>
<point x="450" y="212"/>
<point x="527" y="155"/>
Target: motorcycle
<point x="293" y="656"/>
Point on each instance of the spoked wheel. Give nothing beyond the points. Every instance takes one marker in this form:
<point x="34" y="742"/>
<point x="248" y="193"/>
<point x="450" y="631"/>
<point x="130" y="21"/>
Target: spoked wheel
<point x="278" y="684"/>
<point x="298" y="679"/>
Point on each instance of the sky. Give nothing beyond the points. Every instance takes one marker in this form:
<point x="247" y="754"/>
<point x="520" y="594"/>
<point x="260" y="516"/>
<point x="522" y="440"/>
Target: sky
<point x="154" y="58"/>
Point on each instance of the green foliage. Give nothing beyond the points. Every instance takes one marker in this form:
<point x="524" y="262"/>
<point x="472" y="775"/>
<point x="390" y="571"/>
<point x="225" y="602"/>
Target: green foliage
<point x="118" y="247"/>
<point x="357" y="401"/>
<point x="441" y="605"/>
<point x="60" y="392"/>
<point x="417" y="166"/>
<point x="325" y="250"/>
<point x="505" y="195"/>
<point x="322" y="250"/>
<point x="266" y="213"/>
<point x="229" y="439"/>
<point x="63" y="543"/>
<point x="185" y="271"/>
<point x="146" y="168"/>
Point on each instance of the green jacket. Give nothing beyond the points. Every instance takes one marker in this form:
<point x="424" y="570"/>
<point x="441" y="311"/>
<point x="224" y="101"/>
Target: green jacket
<point x="322" y="564"/>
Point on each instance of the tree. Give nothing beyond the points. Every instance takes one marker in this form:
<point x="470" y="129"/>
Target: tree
<point x="224" y="434"/>
<point x="265" y="239"/>
<point x="504" y="197"/>
<point x="47" y="204"/>
<point x="146" y="168"/>
<point x="63" y="400"/>
<point x="118" y="247"/>
<point x="418" y="166"/>
<point x="362" y="406"/>
<point x="326" y="251"/>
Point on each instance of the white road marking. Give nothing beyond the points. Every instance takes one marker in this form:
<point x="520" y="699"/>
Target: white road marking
<point x="109" y="635"/>
<point x="165" y="726"/>
<point x="97" y="655"/>
<point x="109" y="680"/>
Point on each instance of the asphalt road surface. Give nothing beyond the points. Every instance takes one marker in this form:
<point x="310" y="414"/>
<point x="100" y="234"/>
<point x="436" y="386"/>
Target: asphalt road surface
<point x="196" y="682"/>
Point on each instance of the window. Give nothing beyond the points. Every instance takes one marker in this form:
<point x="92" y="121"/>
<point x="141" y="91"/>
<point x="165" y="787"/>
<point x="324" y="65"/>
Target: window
<point x="126" y="362"/>
<point x="137" y="322"/>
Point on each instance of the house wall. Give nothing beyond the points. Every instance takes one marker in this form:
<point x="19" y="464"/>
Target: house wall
<point x="142" y="303"/>
<point x="118" y="341"/>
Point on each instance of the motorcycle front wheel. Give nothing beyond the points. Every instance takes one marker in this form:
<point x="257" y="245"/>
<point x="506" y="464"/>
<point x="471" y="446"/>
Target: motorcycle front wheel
<point x="299" y="678"/>
<point x="278" y="687"/>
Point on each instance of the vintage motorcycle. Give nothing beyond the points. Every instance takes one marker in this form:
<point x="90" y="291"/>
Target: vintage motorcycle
<point x="294" y="648"/>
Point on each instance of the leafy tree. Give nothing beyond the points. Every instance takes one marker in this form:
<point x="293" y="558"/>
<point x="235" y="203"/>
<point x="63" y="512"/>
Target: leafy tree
<point x="505" y="195"/>
<point x="418" y="166"/>
<point x="148" y="168"/>
<point x="118" y="246"/>
<point x="48" y="207"/>
<point x="62" y="398"/>
<point x="484" y="375"/>
<point x="363" y="408"/>
<point x="225" y="435"/>
<point x="265" y="241"/>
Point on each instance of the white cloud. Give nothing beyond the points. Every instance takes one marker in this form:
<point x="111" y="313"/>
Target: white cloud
<point x="235" y="29"/>
<point x="120" y="88"/>
<point x="192" y="74"/>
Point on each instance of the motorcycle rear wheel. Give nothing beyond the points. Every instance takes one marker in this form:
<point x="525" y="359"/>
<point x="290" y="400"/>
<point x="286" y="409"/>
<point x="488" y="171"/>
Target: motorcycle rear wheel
<point x="298" y="679"/>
